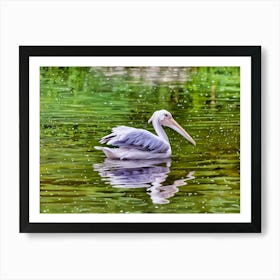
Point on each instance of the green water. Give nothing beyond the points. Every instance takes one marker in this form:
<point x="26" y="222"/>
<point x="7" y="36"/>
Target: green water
<point x="80" y="105"/>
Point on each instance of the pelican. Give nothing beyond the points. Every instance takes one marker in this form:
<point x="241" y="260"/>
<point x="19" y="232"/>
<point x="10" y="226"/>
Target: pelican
<point x="135" y="143"/>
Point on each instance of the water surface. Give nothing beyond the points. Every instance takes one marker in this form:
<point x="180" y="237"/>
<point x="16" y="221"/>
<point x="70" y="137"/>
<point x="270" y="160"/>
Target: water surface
<point x="79" y="105"/>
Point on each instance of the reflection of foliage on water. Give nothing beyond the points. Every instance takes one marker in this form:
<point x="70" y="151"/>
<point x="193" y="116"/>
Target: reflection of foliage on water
<point x="79" y="105"/>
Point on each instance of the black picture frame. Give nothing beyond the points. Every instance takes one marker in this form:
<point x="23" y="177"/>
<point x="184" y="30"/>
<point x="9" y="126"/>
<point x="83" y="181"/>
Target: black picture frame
<point x="254" y="52"/>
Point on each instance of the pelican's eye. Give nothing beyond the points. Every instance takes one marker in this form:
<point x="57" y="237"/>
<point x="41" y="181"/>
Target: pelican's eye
<point x="166" y="115"/>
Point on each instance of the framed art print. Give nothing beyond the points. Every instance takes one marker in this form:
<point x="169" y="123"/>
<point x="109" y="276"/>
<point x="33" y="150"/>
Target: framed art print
<point x="140" y="138"/>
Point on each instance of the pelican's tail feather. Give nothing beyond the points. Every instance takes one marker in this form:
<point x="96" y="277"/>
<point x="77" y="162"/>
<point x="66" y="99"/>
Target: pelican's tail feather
<point x="109" y="153"/>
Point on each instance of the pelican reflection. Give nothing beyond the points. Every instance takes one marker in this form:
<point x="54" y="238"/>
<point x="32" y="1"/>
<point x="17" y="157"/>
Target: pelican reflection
<point x="150" y="174"/>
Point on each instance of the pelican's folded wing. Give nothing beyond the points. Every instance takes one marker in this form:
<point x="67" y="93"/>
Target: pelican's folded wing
<point x="130" y="137"/>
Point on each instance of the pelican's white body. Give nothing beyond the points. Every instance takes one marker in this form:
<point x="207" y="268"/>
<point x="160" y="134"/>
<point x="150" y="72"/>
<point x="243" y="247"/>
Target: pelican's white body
<point x="136" y="143"/>
<point x="125" y="153"/>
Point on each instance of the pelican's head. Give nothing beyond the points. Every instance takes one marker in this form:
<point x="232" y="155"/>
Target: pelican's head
<point x="165" y="118"/>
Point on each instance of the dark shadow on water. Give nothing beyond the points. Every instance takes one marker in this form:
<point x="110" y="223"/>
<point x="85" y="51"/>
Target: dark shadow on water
<point x="149" y="174"/>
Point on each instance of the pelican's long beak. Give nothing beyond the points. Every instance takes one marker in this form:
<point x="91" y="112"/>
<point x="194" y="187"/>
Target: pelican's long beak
<point x="174" y="125"/>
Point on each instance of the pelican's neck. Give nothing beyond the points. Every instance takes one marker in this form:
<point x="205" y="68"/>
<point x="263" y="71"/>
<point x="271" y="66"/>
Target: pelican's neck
<point x="159" y="130"/>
